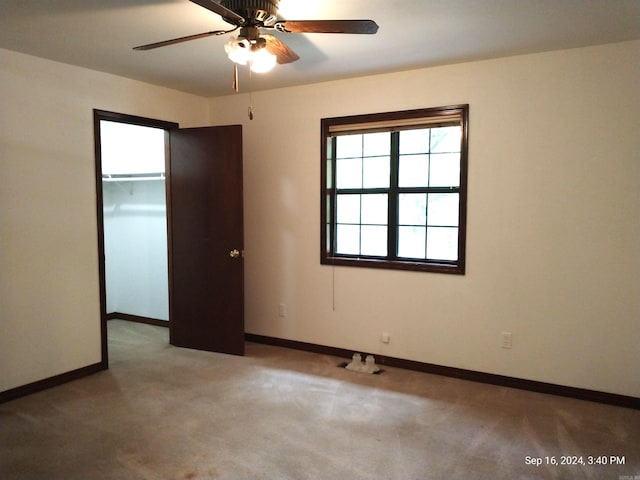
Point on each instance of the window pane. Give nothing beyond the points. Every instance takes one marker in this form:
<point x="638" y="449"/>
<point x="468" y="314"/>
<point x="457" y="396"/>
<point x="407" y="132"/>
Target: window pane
<point x="445" y="170"/>
<point x="442" y="243"/>
<point x="443" y="209"/>
<point x="328" y="209"/>
<point x="374" y="240"/>
<point x="414" y="141"/>
<point x="348" y="209"/>
<point x="328" y="237"/>
<point x="374" y="209"/>
<point x="348" y="239"/>
<point x="414" y="171"/>
<point x="445" y="139"/>
<point x="348" y="146"/>
<point x="349" y="173"/>
<point x="376" y="172"/>
<point x="412" y="209"/>
<point x="377" y="144"/>
<point x="411" y="242"/>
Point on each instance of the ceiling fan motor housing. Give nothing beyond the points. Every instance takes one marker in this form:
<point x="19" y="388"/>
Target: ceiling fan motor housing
<point x="257" y="12"/>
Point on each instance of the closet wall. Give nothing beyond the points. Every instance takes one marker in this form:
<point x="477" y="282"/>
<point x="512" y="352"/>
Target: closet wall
<point x="135" y="222"/>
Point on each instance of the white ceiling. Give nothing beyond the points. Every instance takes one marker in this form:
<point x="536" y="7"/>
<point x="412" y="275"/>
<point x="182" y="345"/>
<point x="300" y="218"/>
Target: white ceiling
<point x="100" y="34"/>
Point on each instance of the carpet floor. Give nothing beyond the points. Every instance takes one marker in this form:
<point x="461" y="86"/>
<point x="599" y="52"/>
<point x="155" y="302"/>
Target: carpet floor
<point x="162" y="412"/>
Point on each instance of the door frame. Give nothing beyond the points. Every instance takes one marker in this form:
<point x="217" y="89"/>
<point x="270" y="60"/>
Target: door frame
<point x="99" y="115"/>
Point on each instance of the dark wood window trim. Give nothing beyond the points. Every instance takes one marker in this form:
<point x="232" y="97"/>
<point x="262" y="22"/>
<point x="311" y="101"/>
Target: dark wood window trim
<point x="390" y="121"/>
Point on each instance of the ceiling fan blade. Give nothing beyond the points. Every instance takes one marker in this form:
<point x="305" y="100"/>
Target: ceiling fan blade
<point x="283" y="53"/>
<point x="327" y="26"/>
<point x="228" y="15"/>
<point x="180" y="40"/>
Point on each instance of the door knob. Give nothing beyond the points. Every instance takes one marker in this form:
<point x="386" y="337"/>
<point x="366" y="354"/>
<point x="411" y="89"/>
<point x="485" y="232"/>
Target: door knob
<point x="235" y="253"/>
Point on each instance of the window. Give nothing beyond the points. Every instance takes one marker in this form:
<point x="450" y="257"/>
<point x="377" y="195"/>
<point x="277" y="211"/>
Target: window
<point x="394" y="189"/>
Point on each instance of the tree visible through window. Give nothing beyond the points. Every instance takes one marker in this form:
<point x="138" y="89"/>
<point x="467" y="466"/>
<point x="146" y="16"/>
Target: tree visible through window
<point x="394" y="189"/>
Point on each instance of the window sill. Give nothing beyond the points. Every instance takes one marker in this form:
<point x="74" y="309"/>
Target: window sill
<point x="364" y="262"/>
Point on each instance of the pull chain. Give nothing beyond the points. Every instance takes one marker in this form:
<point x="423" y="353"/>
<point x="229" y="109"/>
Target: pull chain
<point x="250" y="110"/>
<point x="236" y="87"/>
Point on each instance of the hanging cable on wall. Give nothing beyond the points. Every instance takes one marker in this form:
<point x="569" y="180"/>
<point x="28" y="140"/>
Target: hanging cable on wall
<point x="333" y="288"/>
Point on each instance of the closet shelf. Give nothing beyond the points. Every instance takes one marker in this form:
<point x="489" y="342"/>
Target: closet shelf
<point x="132" y="177"/>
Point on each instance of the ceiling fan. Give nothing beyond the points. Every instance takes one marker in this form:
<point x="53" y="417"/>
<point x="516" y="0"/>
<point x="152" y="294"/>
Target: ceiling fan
<point x="251" y="46"/>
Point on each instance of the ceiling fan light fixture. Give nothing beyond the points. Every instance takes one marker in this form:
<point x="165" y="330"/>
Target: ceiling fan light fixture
<point x="238" y="50"/>
<point x="244" y="52"/>
<point x="262" y="61"/>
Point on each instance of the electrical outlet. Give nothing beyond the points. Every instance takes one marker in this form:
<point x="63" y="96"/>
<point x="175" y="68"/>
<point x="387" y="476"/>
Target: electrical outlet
<point x="282" y="310"/>
<point x="385" y="338"/>
<point x="507" y="341"/>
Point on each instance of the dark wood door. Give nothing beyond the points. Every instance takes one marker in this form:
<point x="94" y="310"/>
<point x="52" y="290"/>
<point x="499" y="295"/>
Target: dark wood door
<point x="206" y="297"/>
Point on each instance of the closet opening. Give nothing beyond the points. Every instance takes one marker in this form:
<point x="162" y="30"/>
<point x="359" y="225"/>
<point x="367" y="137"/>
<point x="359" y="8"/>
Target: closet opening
<point x="131" y="167"/>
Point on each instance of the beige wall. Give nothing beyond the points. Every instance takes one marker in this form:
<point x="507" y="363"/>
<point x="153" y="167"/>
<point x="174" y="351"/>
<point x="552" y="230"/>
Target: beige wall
<point x="49" y="299"/>
<point x="553" y="221"/>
